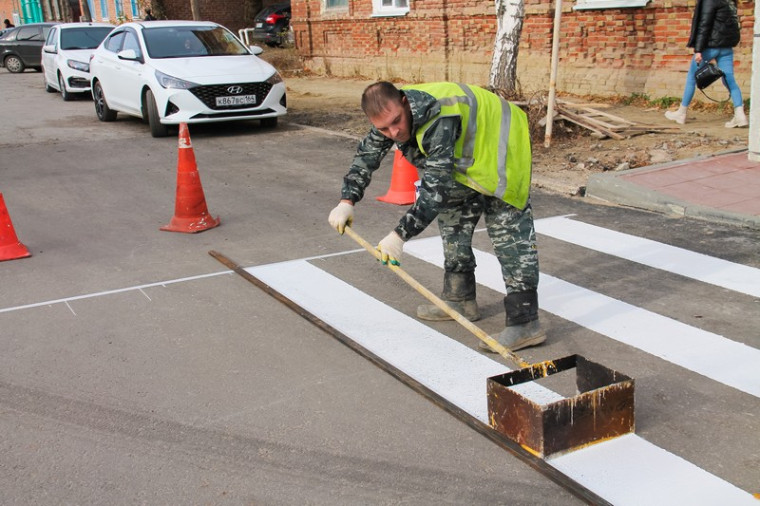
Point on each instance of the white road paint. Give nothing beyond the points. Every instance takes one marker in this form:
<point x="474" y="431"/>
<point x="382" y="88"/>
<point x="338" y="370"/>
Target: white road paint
<point x="723" y="360"/>
<point x="624" y="471"/>
<point x="736" y="277"/>
<point x="138" y="288"/>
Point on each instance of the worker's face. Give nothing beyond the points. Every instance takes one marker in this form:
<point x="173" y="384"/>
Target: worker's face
<point x="395" y="122"/>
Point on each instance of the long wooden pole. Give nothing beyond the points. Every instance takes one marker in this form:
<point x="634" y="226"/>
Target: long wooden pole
<point x="441" y="304"/>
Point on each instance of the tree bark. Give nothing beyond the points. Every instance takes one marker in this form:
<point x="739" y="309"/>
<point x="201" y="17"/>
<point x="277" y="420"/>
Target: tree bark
<point x="195" y="9"/>
<point x="509" y="17"/>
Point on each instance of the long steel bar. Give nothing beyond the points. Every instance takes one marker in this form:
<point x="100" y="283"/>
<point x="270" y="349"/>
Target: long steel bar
<point x="527" y="457"/>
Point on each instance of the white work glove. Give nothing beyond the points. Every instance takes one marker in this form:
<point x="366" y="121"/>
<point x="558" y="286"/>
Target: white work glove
<point x="390" y="249"/>
<point x="342" y="215"/>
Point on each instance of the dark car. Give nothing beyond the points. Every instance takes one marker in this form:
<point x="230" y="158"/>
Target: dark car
<point x="21" y="47"/>
<point x="271" y="25"/>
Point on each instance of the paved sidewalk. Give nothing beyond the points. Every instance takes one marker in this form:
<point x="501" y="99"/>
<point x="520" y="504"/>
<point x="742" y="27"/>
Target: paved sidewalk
<point x="723" y="188"/>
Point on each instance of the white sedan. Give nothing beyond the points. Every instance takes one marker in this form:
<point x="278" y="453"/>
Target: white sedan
<point x="172" y="72"/>
<point x="66" y="56"/>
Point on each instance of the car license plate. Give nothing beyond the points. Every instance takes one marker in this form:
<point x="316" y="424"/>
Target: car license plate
<point x="241" y="100"/>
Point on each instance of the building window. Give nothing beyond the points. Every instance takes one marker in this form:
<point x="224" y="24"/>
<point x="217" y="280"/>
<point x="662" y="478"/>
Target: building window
<point x="104" y="10"/>
<point x="608" y="4"/>
<point x="119" y="9"/>
<point x="336" y="4"/>
<point x="91" y="8"/>
<point x="135" y="9"/>
<point x="390" y="7"/>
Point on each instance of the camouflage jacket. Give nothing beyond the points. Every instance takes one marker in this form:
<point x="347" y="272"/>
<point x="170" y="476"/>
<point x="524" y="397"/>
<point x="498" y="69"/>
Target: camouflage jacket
<point x="436" y="170"/>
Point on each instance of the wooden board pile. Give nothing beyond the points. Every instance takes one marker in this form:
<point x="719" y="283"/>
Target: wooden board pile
<point x="603" y="124"/>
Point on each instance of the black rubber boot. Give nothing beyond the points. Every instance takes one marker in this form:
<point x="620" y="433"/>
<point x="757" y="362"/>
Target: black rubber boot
<point x="459" y="293"/>
<point x="523" y="328"/>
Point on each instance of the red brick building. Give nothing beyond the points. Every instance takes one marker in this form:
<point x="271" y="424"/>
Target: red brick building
<point x="607" y="47"/>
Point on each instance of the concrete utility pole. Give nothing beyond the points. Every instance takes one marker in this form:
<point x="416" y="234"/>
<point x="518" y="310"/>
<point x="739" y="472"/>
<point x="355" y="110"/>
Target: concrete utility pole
<point x="553" y="74"/>
<point x="754" y="108"/>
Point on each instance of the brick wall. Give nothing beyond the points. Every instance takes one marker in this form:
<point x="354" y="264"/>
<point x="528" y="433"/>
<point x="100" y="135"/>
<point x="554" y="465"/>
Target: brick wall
<point x="234" y="14"/>
<point x="602" y="52"/>
<point x="7" y="8"/>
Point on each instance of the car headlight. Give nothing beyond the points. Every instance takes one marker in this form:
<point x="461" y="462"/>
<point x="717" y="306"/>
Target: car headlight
<point x="172" y="82"/>
<point x="276" y="78"/>
<point x="78" y="65"/>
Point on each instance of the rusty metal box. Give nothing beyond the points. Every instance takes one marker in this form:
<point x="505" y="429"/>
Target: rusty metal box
<point x="601" y="409"/>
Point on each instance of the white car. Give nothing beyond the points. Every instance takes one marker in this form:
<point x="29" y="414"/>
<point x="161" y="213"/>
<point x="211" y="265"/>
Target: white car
<point x="172" y="72"/>
<point x="66" y="56"/>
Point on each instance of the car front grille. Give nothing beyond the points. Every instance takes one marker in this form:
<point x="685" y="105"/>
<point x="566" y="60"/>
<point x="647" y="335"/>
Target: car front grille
<point x="208" y="94"/>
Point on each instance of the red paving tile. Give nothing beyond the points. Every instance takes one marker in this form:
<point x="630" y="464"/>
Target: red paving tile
<point x="697" y="193"/>
<point x="729" y="183"/>
<point x="750" y="207"/>
<point x="659" y="178"/>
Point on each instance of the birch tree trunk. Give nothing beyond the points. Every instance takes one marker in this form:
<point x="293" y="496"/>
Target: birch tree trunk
<point x="509" y="17"/>
<point x="195" y="9"/>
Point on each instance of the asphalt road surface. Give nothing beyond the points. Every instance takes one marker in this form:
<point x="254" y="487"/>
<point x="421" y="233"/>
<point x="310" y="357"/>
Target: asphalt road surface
<point x="137" y="369"/>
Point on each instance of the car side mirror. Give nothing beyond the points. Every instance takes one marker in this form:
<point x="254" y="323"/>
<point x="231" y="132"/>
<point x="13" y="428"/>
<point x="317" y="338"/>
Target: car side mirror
<point x="49" y="48"/>
<point x="128" y="54"/>
<point x="256" y="50"/>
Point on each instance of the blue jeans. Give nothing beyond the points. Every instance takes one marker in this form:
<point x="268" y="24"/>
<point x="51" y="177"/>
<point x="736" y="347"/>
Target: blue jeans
<point x="724" y="56"/>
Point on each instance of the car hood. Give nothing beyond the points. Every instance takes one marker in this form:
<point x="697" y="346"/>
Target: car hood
<point x="216" y="69"/>
<point x="82" y="55"/>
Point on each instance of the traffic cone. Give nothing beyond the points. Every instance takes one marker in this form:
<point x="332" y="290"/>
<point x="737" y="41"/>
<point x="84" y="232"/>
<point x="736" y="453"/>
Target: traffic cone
<point x="190" y="211"/>
<point x="10" y="246"/>
<point x="403" y="177"/>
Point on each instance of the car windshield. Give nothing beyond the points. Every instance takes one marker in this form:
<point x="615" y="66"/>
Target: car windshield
<point x="191" y="41"/>
<point x="84" y="38"/>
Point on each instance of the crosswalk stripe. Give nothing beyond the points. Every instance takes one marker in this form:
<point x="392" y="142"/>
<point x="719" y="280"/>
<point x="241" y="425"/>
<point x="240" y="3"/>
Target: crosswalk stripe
<point x="723" y="360"/>
<point x="715" y="271"/>
<point x="624" y="471"/>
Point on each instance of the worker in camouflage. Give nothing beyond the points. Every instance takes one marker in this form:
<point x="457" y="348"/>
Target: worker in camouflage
<point x="473" y="151"/>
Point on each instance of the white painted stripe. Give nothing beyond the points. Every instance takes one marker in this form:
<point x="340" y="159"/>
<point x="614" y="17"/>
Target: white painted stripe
<point x="624" y="471"/>
<point x="723" y="360"/>
<point x="385" y="332"/>
<point x="140" y="288"/>
<point x="736" y="277"/>
<point x="66" y="300"/>
<point x="631" y="470"/>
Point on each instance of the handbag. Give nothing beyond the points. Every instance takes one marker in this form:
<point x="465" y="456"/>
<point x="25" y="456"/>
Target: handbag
<point x="706" y="74"/>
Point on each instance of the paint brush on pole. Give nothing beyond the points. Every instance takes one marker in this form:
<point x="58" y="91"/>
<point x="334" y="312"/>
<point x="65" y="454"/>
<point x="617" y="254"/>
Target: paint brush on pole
<point x="602" y="409"/>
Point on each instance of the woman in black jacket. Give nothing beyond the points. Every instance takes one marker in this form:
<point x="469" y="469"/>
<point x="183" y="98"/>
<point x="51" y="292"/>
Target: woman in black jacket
<point x="714" y="34"/>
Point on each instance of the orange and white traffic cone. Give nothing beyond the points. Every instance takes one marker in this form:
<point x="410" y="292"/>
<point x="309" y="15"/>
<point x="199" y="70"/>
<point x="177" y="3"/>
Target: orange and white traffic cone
<point x="402" y="188"/>
<point x="10" y="247"/>
<point x="190" y="211"/>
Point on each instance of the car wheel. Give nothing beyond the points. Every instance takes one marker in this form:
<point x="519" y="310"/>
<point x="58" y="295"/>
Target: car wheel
<point x="157" y="129"/>
<point x="101" y="107"/>
<point x="65" y="95"/>
<point x="48" y="88"/>
<point x="14" y="64"/>
<point x="269" y="122"/>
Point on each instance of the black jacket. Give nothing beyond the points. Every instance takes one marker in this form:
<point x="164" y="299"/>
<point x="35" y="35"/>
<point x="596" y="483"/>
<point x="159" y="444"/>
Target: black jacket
<point x="714" y="24"/>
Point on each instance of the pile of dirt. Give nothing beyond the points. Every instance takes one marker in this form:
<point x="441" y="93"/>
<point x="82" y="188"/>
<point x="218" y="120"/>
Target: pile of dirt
<point x="574" y="153"/>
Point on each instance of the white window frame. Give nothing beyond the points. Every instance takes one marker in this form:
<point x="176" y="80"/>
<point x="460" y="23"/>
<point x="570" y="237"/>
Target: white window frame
<point x="380" y="10"/>
<point x="582" y="5"/>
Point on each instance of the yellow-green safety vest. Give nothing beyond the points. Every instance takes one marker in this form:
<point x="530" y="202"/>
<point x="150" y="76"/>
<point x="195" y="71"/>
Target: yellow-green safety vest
<point x="492" y="154"/>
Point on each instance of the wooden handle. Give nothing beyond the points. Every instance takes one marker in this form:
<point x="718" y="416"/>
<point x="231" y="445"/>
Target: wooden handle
<point x="441" y="304"/>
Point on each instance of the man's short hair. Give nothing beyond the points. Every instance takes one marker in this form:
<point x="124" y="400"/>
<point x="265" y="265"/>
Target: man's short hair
<point x="376" y="97"/>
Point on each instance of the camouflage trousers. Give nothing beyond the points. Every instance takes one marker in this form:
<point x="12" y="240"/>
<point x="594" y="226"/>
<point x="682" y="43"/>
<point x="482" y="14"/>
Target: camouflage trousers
<point x="511" y="231"/>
